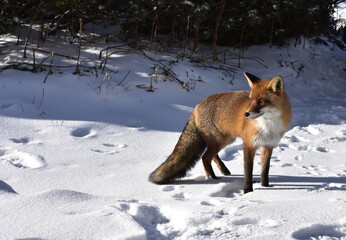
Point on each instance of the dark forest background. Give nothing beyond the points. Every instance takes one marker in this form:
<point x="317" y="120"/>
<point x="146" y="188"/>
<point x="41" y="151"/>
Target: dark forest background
<point x="194" y="22"/>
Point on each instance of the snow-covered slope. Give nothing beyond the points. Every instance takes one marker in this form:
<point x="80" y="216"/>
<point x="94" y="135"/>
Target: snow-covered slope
<point x="76" y="152"/>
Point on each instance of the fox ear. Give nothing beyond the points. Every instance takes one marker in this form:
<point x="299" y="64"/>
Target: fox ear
<point x="276" y="84"/>
<point x="252" y="79"/>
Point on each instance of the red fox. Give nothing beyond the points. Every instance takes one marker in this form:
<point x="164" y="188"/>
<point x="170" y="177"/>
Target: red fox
<point x="260" y="117"/>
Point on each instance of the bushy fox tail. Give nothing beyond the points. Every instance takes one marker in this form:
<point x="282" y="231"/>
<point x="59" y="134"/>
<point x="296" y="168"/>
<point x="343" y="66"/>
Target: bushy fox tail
<point x="186" y="153"/>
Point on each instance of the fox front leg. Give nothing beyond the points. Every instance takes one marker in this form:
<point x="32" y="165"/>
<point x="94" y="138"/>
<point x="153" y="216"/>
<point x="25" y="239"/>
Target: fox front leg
<point x="265" y="162"/>
<point x="249" y="154"/>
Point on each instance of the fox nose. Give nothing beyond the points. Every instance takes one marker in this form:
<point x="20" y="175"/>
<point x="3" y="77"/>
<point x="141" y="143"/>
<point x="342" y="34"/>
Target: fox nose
<point x="246" y="114"/>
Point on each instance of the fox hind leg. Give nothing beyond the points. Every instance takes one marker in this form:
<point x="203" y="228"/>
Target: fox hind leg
<point x="208" y="156"/>
<point x="224" y="170"/>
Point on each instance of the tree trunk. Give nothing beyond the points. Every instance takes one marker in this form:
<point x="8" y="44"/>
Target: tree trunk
<point x="216" y="29"/>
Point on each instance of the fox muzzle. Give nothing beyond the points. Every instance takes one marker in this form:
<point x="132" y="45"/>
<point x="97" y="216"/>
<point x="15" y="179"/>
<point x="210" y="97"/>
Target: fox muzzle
<point x="253" y="115"/>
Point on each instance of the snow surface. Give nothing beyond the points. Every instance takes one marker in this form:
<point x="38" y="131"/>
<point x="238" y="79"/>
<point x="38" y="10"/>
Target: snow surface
<point x="76" y="152"/>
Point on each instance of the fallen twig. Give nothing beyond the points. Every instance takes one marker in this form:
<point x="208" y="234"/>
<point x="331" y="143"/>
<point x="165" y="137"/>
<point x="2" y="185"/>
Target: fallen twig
<point x="50" y="69"/>
<point x="124" y="78"/>
<point x="110" y="47"/>
<point x="167" y="71"/>
<point x="55" y="53"/>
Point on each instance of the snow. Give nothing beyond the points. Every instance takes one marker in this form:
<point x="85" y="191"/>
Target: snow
<point x="76" y="152"/>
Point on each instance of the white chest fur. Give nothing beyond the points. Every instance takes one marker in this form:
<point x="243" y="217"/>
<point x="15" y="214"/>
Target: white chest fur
<point x="270" y="130"/>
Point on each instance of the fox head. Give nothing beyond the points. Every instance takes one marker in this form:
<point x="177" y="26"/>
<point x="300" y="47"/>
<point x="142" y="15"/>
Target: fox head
<point x="265" y="96"/>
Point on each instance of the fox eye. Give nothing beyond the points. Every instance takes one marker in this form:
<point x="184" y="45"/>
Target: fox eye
<point x="261" y="102"/>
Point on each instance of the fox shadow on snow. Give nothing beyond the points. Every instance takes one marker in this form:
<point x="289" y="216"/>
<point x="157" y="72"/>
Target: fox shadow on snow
<point x="279" y="182"/>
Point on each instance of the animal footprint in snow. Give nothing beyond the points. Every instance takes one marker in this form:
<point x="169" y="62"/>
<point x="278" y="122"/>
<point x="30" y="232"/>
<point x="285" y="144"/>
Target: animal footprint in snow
<point x="299" y="148"/>
<point x="205" y="203"/>
<point x="341" y="137"/>
<point x="104" y="152"/>
<point x="168" y="189"/>
<point x="287" y="165"/>
<point x="228" y="190"/>
<point x="312" y="130"/>
<point x="179" y="196"/>
<point x="22" y="160"/>
<point x="309" y="148"/>
<point x="244" y="221"/>
<point x="116" y="145"/>
<point x="296" y="139"/>
<point x="335" y="139"/>
<point x="23" y="140"/>
<point x="316" y="149"/>
<point x="110" y="146"/>
<point x="274" y="161"/>
<point x="320" y="149"/>
<point x="82" y="132"/>
<point x="299" y="158"/>
<point x="320" y="231"/>
<point x="316" y="170"/>
<point x="211" y="202"/>
<point x="341" y="132"/>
